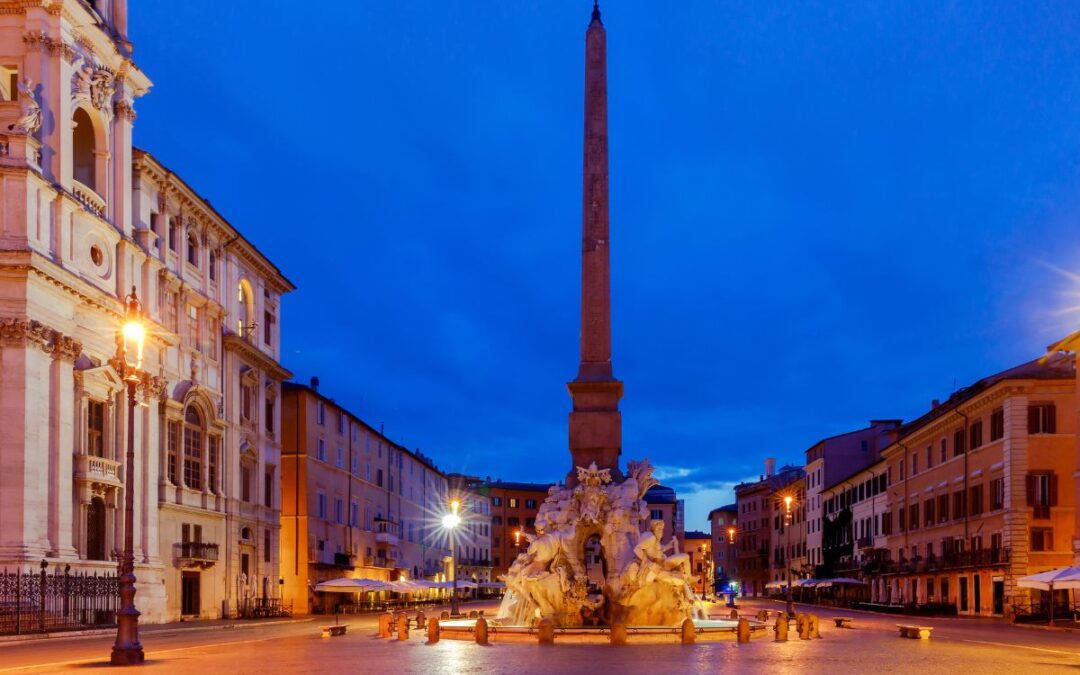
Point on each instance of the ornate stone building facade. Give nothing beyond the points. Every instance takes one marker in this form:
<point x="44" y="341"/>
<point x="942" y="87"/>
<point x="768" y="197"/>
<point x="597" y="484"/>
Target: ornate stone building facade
<point x="84" y="218"/>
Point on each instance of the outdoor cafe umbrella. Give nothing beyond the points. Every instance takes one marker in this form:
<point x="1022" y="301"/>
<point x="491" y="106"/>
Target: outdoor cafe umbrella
<point x="1066" y="577"/>
<point x="346" y="585"/>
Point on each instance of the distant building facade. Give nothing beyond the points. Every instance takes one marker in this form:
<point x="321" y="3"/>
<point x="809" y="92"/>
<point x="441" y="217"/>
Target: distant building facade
<point x="513" y="517"/>
<point x="354" y="503"/>
<point x="699" y="546"/>
<point x="723" y="531"/>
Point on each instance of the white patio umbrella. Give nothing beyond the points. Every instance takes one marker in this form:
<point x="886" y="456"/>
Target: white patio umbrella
<point x="346" y="585"/>
<point x="1066" y="577"/>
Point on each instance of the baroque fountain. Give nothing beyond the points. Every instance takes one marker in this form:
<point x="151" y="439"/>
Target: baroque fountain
<point x="599" y="521"/>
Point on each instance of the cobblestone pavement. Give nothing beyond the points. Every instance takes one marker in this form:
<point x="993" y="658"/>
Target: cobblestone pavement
<point x="873" y="646"/>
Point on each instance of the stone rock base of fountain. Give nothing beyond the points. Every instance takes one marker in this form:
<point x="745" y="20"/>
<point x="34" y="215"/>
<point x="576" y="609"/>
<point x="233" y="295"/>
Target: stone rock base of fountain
<point x="706" y="630"/>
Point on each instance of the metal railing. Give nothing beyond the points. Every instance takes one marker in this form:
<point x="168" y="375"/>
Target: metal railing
<point x="198" y="551"/>
<point x="39" y="602"/>
<point x="947" y="561"/>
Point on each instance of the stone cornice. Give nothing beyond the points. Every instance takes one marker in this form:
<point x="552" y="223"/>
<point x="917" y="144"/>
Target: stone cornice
<point x="175" y="193"/>
<point x="20" y="332"/>
<point x="255" y="355"/>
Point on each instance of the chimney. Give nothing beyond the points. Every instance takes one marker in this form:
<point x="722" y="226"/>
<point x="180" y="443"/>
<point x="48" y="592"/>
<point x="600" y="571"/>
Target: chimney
<point x="315" y="383"/>
<point x="935" y="403"/>
<point x="770" y="466"/>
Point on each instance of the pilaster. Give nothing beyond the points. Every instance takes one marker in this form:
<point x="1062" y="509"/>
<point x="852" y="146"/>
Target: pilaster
<point x="1015" y="460"/>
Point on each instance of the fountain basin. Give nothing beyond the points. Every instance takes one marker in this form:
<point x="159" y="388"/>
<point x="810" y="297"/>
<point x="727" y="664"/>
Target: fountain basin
<point x="705" y="630"/>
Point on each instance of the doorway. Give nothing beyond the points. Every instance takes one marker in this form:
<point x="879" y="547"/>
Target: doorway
<point x="999" y="595"/>
<point x="978" y="594"/>
<point x="963" y="594"/>
<point x="189" y="593"/>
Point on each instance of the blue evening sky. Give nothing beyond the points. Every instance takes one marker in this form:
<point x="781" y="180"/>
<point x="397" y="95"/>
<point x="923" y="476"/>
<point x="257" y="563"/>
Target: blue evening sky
<point x="822" y="213"/>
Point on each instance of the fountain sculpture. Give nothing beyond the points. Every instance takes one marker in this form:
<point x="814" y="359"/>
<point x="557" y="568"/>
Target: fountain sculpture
<point x="640" y="584"/>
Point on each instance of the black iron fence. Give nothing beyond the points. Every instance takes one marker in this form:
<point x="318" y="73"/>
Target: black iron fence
<point x="38" y="602"/>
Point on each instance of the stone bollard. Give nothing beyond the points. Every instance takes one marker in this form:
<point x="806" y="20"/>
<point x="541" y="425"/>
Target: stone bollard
<point x="445" y="616"/>
<point x="432" y="631"/>
<point x="815" y="626"/>
<point x="763" y="615"/>
<point x="479" y="612"/>
<point x="402" y="626"/>
<point x="688" y="634"/>
<point x="734" y="614"/>
<point x="802" y="623"/>
<point x="481" y="631"/>
<point x="781" y="627"/>
<point x="618" y="634"/>
<point x="545" y="632"/>
<point x="473" y="614"/>
<point x="743" y="631"/>
<point x="386" y="625"/>
<point x="421" y="620"/>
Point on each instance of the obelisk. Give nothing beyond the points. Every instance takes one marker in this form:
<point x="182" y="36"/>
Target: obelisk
<point x="595" y="421"/>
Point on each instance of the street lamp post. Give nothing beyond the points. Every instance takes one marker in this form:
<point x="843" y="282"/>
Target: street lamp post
<point x="704" y="569"/>
<point x="127" y="650"/>
<point x="787" y="553"/>
<point x="450" y="521"/>
<point x="731" y="590"/>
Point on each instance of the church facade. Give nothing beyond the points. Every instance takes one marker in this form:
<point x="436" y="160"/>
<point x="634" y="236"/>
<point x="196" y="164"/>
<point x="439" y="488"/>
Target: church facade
<point x="85" y="217"/>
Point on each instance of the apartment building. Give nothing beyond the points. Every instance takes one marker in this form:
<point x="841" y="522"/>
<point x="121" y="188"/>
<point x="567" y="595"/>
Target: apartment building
<point x="699" y="546"/>
<point x="723" y="529"/>
<point x="979" y="492"/>
<point x="756" y="510"/>
<point x="513" y="516"/>
<point x="354" y="503"/>
<point x="787" y="534"/>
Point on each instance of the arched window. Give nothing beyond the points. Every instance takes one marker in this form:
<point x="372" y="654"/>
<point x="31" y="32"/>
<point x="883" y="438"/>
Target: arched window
<point x="192" y="249"/>
<point x="83" y="148"/>
<point x="95" y="529"/>
<point x="193" y="445"/>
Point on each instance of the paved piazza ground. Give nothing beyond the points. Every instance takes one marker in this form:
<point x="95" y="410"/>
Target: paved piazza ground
<point x="977" y="647"/>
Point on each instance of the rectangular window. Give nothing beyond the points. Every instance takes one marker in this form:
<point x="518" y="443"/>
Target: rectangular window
<point x="496" y="520"/>
<point x="1041" y="493"/>
<point x="268" y="487"/>
<point x="997" y="494"/>
<point x="191" y="327"/>
<point x="530" y="503"/>
<point x="266" y="545"/>
<point x="355" y="468"/>
<point x="959" y="443"/>
<point x="321" y="506"/>
<point x="174" y="450"/>
<point x="512" y="503"/>
<point x="354" y="514"/>
<point x="959" y="505"/>
<point x="268" y="414"/>
<point x="245" y="483"/>
<point x="340" y="458"/>
<point x="172" y="234"/>
<point x="943" y="508"/>
<point x="975" y="435"/>
<point x="320" y="450"/>
<point x="95" y="429"/>
<point x="914" y="463"/>
<point x="341" y="423"/>
<point x="929" y="456"/>
<point x="944" y="450"/>
<point x="997" y="424"/>
<point x="1041" y="418"/>
<point x="247" y="402"/>
<point x="268" y="328"/>
<point x="320" y="413"/>
<point x="339" y="511"/>
<point x="975" y="505"/>
<point x="914" y="519"/>
<point x="1042" y="539"/>
<point x="192" y="458"/>
<point x="900" y="514"/>
<point x="928" y="512"/>
<point x="378" y="477"/>
<point x="513" y="521"/>
<point x="212" y="463"/>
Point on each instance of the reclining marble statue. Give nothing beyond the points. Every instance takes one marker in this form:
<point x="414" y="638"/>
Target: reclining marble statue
<point x="641" y="583"/>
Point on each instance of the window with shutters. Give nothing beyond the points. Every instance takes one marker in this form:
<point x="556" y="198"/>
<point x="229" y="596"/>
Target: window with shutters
<point x="193" y="440"/>
<point x="997" y="424"/>
<point x="1042" y="539"/>
<point x="975" y="435"/>
<point x="959" y="505"/>
<point x="997" y="494"/>
<point x="943" y="508"/>
<point x="959" y="443"/>
<point x="914" y="516"/>
<point x="1041" y="493"/>
<point x="928" y="512"/>
<point x="1041" y="418"/>
<point x="975" y="501"/>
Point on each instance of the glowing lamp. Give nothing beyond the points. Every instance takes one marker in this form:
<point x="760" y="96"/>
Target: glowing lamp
<point x="134" y="332"/>
<point x="451" y="520"/>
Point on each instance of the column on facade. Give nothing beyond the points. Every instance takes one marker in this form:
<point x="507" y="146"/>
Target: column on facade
<point x="61" y="469"/>
<point x="1015" y="461"/>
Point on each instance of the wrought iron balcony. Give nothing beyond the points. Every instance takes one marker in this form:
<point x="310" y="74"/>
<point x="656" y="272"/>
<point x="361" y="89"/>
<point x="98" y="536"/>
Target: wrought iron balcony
<point x="196" y="553"/>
